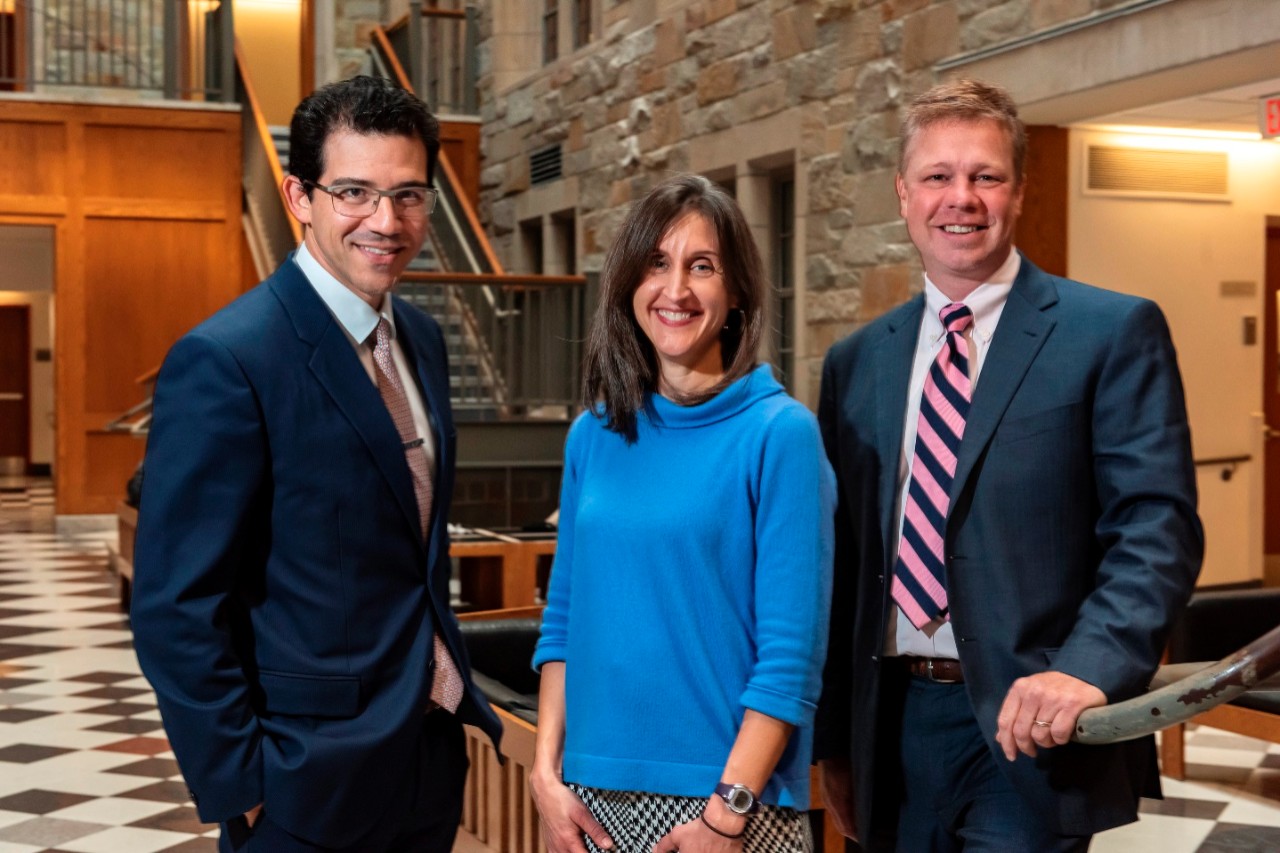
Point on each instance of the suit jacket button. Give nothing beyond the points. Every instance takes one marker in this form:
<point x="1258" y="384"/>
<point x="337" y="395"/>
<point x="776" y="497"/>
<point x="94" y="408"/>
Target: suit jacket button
<point x="880" y="578"/>
<point x="192" y="796"/>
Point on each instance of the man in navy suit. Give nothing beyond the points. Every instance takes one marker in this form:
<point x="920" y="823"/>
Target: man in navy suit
<point x="1017" y="523"/>
<point x="291" y="598"/>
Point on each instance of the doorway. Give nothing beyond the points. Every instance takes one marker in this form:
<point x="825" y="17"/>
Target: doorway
<point x="1271" y="406"/>
<point x="15" y="390"/>
<point x="12" y="60"/>
<point x="26" y="349"/>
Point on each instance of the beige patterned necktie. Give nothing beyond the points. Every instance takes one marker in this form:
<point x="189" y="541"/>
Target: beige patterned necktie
<point x="446" y="687"/>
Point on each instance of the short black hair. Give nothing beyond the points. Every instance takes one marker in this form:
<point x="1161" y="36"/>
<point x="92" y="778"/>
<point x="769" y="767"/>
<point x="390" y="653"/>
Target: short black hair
<point x="367" y="105"/>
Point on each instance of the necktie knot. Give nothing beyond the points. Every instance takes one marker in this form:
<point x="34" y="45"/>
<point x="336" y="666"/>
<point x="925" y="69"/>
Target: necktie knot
<point x="956" y="317"/>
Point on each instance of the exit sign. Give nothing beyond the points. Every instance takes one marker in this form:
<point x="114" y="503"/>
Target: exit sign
<point x="1269" y="116"/>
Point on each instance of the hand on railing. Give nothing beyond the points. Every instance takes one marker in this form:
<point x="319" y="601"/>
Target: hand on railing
<point x="1178" y="702"/>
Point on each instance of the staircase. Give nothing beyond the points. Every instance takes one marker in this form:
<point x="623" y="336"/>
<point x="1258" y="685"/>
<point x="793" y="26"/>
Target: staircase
<point x="514" y="341"/>
<point x="471" y="387"/>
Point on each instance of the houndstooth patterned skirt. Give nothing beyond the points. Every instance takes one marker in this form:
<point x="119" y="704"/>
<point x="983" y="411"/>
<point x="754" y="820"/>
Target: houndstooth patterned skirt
<point x="636" y="821"/>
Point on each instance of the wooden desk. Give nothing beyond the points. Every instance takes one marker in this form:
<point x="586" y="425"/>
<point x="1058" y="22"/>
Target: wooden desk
<point x="121" y="557"/>
<point x="497" y="574"/>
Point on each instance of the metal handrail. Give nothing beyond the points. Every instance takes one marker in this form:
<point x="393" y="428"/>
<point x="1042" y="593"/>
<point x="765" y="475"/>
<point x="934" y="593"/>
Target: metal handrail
<point x="521" y="335"/>
<point x="181" y="53"/>
<point x="444" y="63"/>
<point x="524" y="335"/>
<point x="273" y="232"/>
<point x="1248" y="669"/>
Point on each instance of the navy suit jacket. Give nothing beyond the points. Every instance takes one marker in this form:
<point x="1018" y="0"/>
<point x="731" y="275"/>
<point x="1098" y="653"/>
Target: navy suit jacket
<point x="1072" y="539"/>
<point x="284" y="601"/>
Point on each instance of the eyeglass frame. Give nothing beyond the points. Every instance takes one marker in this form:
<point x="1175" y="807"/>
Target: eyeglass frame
<point x="432" y="193"/>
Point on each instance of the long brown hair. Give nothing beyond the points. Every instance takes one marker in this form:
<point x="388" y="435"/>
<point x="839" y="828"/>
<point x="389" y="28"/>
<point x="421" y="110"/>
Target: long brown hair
<point x="621" y="366"/>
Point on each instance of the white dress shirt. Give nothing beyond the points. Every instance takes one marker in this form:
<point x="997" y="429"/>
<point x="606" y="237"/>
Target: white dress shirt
<point x="937" y="639"/>
<point x="358" y="321"/>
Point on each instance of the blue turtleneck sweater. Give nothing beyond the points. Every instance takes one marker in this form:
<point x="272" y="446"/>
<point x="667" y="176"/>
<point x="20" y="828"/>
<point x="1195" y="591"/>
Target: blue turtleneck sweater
<point x="691" y="581"/>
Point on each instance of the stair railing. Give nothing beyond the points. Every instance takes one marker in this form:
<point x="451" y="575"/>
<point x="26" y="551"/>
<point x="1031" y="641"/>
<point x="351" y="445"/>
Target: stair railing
<point x="174" y="48"/>
<point x="444" y="61"/>
<point x="522" y="334"/>
<point x="1251" y="668"/>
<point x="272" y="232"/>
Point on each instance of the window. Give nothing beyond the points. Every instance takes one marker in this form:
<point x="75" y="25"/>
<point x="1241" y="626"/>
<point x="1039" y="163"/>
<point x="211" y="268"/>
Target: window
<point x="784" y="232"/>
<point x="581" y="23"/>
<point x="564" y="244"/>
<point x="550" y="31"/>
<point x="529" y="246"/>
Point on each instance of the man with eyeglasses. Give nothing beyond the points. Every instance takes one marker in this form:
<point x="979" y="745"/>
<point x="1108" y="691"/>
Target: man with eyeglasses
<point x="291" y="601"/>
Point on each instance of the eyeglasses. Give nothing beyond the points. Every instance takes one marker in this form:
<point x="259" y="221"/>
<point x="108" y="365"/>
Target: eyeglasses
<point x="359" y="201"/>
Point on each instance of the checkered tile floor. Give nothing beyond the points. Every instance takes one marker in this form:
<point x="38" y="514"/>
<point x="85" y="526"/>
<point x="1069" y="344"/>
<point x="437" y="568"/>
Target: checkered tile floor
<point x="85" y="766"/>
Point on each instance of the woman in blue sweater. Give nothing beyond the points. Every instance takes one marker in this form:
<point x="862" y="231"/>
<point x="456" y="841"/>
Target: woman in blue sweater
<point x="684" y="634"/>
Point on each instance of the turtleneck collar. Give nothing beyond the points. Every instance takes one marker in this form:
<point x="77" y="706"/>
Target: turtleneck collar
<point x="755" y="386"/>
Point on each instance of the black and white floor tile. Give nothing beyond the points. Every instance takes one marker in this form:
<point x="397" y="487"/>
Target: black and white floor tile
<point x="85" y="766"/>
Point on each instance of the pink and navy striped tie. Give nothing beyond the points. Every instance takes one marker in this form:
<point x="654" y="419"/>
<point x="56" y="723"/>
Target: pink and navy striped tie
<point x="919" y="576"/>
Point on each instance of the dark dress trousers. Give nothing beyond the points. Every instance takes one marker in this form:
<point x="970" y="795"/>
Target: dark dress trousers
<point x="285" y="601"/>
<point x="1071" y="542"/>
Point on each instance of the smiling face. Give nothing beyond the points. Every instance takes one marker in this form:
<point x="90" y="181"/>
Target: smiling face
<point x="367" y="254"/>
<point x="961" y="198"/>
<point x="682" y="305"/>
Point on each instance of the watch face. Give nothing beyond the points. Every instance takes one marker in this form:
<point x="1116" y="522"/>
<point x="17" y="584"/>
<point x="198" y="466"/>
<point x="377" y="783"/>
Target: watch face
<point x="740" y="800"/>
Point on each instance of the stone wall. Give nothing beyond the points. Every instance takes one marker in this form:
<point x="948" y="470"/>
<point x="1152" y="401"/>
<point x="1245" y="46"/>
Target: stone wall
<point x="634" y="104"/>
<point x="354" y="23"/>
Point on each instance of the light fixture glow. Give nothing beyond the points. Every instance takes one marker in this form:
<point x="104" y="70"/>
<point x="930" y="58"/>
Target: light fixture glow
<point x="1177" y="132"/>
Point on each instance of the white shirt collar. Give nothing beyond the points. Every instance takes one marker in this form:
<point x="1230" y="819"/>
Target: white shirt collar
<point x="986" y="301"/>
<point x="355" y="315"/>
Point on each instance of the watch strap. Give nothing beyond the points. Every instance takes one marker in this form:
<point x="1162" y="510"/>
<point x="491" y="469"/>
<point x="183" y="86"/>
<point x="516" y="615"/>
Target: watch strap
<point x="726" y="791"/>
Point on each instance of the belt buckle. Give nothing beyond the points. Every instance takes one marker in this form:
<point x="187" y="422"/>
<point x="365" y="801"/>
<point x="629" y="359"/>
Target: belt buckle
<point x="928" y="666"/>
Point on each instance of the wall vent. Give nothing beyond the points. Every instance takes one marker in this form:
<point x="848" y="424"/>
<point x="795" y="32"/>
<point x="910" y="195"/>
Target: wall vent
<point x="545" y="164"/>
<point x="1151" y="172"/>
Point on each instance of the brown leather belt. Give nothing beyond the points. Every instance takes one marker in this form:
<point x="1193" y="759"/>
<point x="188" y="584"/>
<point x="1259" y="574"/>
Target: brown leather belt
<point x="942" y="670"/>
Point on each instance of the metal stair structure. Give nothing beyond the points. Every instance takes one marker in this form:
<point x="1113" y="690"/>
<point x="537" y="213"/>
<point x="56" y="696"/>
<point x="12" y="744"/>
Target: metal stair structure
<point x="471" y="387"/>
<point x="514" y="341"/>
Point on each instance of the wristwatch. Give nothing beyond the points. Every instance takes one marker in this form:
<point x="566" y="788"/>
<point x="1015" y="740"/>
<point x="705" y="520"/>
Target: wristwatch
<point x="739" y="798"/>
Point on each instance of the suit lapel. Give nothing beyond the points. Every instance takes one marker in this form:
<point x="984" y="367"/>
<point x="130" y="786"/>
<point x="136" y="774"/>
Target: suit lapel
<point x="337" y="368"/>
<point x="1022" y="331"/>
<point x="893" y="358"/>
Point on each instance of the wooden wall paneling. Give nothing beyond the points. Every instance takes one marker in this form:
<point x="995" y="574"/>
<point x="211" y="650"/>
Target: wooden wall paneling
<point x="146" y="203"/>
<point x="462" y="140"/>
<point x="1042" y="229"/>
<point x="307" y="48"/>
<point x="33" y="157"/>
<point x="111" y="459"/>
<point x="152" y="280"/>
<point x="156" y="164"/>
<point x="495" y="807"/>
<point x="71" y="468"/>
